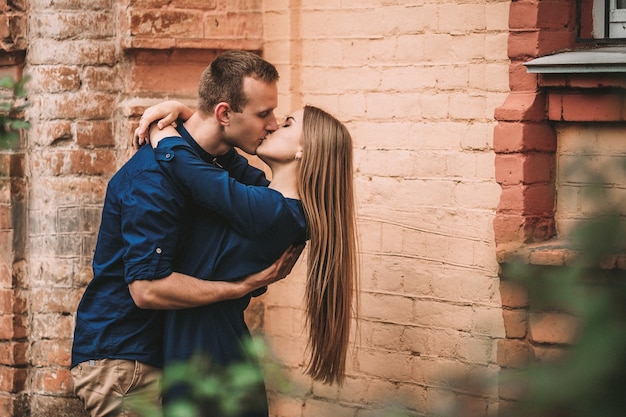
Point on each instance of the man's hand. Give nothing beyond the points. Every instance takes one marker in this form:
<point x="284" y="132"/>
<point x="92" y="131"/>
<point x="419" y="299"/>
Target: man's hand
<point x="164" y="114"/>
<point x="277" y="271"/>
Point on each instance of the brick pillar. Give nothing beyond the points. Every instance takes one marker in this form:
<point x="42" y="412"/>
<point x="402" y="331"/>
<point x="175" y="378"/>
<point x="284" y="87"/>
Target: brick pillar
<point x="13" y="312"/>
<point x="524" y="141"/>
<point x="74" y="64"/>
<point x="525" y="146"/>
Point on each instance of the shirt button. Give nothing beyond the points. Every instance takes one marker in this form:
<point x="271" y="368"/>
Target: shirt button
<point x="158" y="250"/>
<point x="167" y="155"/>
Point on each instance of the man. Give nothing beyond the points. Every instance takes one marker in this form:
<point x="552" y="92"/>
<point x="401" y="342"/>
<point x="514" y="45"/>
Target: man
<point x="117" y="349"/>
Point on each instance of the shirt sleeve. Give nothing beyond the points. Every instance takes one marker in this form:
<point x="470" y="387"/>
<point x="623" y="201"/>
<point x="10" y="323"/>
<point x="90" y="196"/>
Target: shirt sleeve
<point x="239" y="169"/>
<point x="151" y="215"/>
<point x="250" y="210"/>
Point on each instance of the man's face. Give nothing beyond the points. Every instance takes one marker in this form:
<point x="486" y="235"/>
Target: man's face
<point x="247" y="129"/>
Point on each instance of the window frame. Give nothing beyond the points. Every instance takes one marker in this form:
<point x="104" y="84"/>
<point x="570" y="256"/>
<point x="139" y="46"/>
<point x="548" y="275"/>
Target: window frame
<point x="607" y="20"/>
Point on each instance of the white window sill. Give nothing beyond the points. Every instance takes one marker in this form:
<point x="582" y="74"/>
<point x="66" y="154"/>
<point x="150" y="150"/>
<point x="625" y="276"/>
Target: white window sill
<point x="600" y="60"/>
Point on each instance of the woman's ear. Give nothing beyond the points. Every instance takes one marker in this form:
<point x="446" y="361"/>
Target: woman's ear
<point x="222" y="113"/>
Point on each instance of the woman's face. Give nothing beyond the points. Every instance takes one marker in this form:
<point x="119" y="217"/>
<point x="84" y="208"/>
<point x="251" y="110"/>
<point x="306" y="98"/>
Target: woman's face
<point x="283" y="144"/>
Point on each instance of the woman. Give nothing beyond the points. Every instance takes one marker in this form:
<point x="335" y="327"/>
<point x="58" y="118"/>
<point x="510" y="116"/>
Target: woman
<point x="310" y="196"/>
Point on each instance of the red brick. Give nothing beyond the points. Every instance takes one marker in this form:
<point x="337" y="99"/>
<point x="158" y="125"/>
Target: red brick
<point x="539" y="168"/>
<point x="48" y="353"/>
<point x="102" y="79"/>
<point x="53" y="300"/>
<point x="586" y="81"/>
<point x="512" y="199"/>
<point x="554" y="257"/>
<point x="5" y="218"/>
<point x="51" y="133"/>
<point x="6" y="278"/>
<point x="553" y="327"/>
<point x="87" y="24"/>
<point x="514" y="229"/>
<point x="7" y="404"/>
<point x="6" y="326"/>
<point x="12" y="379"/>
<point x="20" y="326"/>
<point x="12" y="327"/>
<point x="4" y="26"/>
<point x="509" y="228"/>
<point x="523" y="14"/>
<point x="80" y="105"/>
<point x="515" y="323"/>
<point x="149" y="4"/>
<point x="98" y="162"/>
<point x="13" y="353"/>
<point x="514" y="294"/>
<point x="181" y="77"/>
<point x="586" y="107"/>
<point x="52" y="381"/>
<point x="234" y="25"/>
<point x="530" y="168"/>
<point x="94" y="133"/>
<point x="522" y="106"/>
<point x="72" y="52"/>
<point x="512" y="385"/>
<point x="520" y="79"/>
<point x="555" y="15"/>
<point x="514" y="353"/>
<point x="51" y="326"/>
<point x="523" y="44"/>
<point x="55" y="78"/>
<point x="555" y="41"/>
<point x="6" y="298"/>
<point x="539" y="199"/>
<point x="168" y="23"/>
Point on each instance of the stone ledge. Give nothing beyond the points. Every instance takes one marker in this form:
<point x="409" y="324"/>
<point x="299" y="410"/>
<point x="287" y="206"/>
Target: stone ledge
<point x="600" y="60"/>
<point x="130" y="43"/>
<point x="552" y="253"/>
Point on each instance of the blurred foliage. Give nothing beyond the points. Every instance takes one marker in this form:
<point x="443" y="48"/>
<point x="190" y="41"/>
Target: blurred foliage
<point x="217" y="391"/>
<point x="589" y="380"/>
<point x="12" y="105"/>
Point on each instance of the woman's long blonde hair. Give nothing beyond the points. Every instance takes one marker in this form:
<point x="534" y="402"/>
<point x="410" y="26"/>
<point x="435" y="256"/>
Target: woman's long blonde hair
<point x="327" y="193"/>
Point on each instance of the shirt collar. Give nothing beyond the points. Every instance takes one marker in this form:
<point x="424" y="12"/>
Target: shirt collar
<point x="220" y="161"/>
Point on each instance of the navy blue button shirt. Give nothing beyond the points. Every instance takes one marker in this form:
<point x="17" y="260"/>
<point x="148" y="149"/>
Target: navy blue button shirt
<point x="249" y="230"/>
<point x="145" y="221"/>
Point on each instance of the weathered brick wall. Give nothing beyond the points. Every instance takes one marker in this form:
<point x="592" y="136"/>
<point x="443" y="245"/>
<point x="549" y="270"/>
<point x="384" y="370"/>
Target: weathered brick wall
<point x="13" y="199"/>
<point x="94" y="66"/>
<point x="73" y="60"/>
<point x="418" y="85"/>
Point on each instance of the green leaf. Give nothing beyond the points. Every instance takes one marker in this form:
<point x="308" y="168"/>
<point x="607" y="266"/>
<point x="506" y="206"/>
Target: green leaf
<point x="7" y="82"/>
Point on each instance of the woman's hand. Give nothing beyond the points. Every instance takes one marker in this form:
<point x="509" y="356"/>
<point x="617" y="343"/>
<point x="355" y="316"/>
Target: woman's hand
<point x="164" y="114"/>
<point x="275" y="272"/>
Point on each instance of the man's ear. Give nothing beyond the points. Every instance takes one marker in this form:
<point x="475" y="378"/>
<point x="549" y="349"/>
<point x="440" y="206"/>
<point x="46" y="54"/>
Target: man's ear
<point x="222" y="113"/>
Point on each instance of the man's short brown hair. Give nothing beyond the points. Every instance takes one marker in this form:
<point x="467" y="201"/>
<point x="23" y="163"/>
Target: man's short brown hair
<point x="222" y="80"/>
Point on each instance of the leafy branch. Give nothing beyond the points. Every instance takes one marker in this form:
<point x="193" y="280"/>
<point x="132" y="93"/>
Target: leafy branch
<point x="12" y="110"/>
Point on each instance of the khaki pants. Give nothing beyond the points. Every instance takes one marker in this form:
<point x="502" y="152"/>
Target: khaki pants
<point x="107" y="387"/>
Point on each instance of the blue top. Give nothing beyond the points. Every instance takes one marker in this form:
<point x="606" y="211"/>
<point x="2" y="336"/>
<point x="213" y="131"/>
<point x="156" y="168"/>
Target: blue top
<point x="145" y="222"/>
<point x="251" y="229"/>
<point x="254" y="227"/>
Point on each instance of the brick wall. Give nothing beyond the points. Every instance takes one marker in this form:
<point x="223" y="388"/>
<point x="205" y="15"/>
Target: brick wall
<point x="74" y="89"/>
<point x="417" y="85"/>
<point x="92" y="67"/>
<point x="556" y="133"/>
<point x="13" y="193"/>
